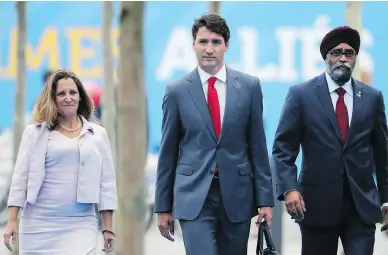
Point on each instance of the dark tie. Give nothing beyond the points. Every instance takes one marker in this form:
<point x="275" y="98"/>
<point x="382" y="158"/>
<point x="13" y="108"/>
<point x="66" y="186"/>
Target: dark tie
<point x="342" y="114"/>
<point x="214" y="105"/>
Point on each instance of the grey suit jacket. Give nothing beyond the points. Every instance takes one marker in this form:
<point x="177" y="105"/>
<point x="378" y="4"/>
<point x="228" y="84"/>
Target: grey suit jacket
<point x="96" y="180"/>
<point x="190" y="151"/>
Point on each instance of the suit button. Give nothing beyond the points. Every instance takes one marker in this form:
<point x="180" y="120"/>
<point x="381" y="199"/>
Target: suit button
<point x="82" y="163"/>
<point x="211" y="172"/>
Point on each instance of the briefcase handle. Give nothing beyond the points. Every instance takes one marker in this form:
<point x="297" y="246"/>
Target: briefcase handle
<point x="264" y="233"/>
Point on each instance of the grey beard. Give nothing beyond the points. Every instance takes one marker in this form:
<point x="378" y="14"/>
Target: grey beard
<point x="340" y="76"/>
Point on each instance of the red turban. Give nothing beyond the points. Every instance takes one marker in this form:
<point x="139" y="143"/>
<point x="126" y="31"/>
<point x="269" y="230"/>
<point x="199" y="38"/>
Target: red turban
<point x="340" y="35"/>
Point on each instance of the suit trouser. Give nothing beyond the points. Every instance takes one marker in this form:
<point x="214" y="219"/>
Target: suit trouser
<point x="357" y="237"/>
<point x="211" y="233"/>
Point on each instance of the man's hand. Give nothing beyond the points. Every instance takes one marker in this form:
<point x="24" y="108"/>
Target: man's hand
<point x="166" y="225"/>
<point x="294" y="204"/>
<point x="265" y="213"/>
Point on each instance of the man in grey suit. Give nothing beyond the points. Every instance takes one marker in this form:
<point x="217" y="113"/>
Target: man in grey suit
<point x="213" y="171"/>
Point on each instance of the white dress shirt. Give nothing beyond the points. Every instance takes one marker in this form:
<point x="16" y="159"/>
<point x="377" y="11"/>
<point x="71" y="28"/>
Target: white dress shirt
<point x="220" y="86"/>
<point x="348" y="95"/>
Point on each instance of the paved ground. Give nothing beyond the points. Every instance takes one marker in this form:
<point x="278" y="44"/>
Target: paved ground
<point x="156" y="245"/>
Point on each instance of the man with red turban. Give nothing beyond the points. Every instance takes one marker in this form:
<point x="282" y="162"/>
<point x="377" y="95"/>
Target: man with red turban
<point x="340" y="123"/>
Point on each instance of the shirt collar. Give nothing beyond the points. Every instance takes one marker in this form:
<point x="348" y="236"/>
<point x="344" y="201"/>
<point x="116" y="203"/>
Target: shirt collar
<point x="333" y="86"/>
<point x="220" y="75"/>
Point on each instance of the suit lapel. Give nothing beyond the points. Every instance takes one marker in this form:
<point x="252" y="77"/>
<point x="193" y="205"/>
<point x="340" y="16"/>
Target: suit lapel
<point x="323" y="93"/>
<point x="232" y="93"/>
<point x="357" y="109"/>
<point x="198" y="96"/>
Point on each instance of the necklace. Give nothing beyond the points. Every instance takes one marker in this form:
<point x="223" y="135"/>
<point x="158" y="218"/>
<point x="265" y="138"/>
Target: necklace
<point x="72" y="129"/>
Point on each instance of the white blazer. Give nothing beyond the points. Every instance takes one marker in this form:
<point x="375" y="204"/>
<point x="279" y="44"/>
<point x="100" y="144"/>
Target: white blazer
<point x="96" y="178"/>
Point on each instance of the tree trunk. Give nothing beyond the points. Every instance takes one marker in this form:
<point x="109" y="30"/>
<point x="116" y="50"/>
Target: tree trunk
<point x="353" y="19"/>
<point x="131" y="117"/>
<point x="108" y="102"/>
<point x="214" y="6"/>
<point x="19" y="124"/>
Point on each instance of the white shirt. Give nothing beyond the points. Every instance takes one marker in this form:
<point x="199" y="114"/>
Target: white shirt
<point x="348" y="97"/>
<point x="220" y="86"/>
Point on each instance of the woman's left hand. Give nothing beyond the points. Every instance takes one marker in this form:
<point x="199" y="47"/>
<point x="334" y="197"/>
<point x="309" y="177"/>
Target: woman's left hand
<point x="109" y="241"/>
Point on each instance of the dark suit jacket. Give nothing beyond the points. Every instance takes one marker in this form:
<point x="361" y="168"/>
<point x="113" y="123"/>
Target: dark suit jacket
<point x="190" y="150"/>
<point x="308" y="119"/>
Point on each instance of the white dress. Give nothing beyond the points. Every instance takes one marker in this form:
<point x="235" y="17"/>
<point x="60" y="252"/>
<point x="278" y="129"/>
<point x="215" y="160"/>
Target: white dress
<point x="56" y="224"/>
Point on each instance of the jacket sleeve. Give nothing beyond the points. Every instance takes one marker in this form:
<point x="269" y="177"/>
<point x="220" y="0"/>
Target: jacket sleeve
<point x="380" y="149"/>
<point x="168" y="154"/>
<point x="18" y="189"/>
<point x="257" y="148"/>
<point x="108" y="187"/>
<point x="286" y="145"/>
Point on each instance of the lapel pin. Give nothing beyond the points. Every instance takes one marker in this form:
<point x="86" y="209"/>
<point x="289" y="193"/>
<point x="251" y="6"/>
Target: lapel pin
<point x="236" y="85"/>
<point x="358" y="94"/>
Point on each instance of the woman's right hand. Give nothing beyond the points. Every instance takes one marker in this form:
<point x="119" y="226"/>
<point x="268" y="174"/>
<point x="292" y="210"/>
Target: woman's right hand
<point x="11" y="230"/>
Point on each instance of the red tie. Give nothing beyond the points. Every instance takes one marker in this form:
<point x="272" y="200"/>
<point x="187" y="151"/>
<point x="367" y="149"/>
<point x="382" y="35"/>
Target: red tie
<point x="342" y="114"/>
<point x="214" y="105"/>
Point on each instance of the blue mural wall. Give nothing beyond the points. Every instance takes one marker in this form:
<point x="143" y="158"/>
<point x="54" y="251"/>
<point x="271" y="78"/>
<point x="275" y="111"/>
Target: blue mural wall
<point x="278" y="42"/>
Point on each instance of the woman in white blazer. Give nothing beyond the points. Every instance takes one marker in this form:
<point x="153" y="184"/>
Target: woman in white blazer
<point x="64" y="168"/>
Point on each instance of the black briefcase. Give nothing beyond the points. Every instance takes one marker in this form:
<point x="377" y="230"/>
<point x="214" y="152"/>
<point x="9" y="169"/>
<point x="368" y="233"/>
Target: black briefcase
<point x="265" y="233"/>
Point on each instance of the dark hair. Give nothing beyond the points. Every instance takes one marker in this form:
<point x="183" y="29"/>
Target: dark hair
<point x="214" y="23"/>
<point x="47" y="75"/>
